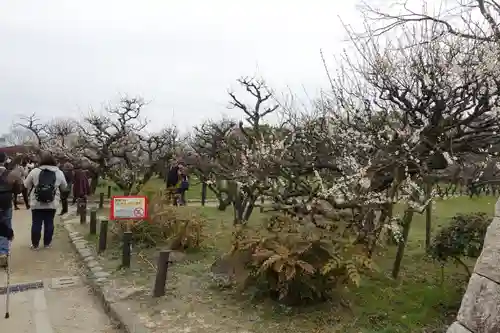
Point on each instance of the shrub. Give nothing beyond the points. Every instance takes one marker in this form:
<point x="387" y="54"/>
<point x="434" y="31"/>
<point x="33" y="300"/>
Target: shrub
<point x="463" y="237"/>
<point x="179" y="227"/>
<point x="295" y="263"/>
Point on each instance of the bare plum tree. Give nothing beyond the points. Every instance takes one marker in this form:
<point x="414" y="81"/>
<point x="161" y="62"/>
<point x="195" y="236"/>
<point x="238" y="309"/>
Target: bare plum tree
<point x="60" y="130"/>
<point x="110" y="140"/>
<point x="35" y="126"/>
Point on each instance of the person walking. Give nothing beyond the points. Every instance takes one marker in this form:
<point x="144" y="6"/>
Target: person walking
<point x="45" y="183"/>
<point x="22" y="170"/>
<point x="10" y="183"/>
<point x="25" y="171"/>
<point x="67" y="170"/>
<point x="182" y="185"/>
<point x="172" y="180"/>
<point x="10" y="165"/>
<point x="81" y="187"/>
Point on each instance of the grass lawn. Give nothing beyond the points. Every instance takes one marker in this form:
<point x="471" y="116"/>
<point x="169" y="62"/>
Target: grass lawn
<point x="155" y="184"/>
<point x="420" y="301"/>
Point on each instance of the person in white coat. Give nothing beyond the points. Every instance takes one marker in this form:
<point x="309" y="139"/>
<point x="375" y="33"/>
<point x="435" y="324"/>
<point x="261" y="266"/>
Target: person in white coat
<point x="45" y="184"/>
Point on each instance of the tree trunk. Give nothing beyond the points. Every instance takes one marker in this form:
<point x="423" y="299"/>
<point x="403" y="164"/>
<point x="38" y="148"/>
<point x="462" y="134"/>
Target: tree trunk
<point x="238" y="207"/>
<point x="218" y="194"/>
<point x="407" y="218"/>
<point x="203" y="193"/>
<point x="248" y="211"/>
<point x="94" y="181"/>
<point x="147" y="176"/>
<point x="428" y="215"/>
<point x="466" y="268"/>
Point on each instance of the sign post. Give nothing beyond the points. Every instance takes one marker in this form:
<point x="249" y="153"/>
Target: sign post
<point x="128" y="207"/>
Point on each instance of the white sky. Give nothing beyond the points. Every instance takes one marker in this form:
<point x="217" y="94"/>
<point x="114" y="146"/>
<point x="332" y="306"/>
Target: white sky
<point x="58" y="57"/>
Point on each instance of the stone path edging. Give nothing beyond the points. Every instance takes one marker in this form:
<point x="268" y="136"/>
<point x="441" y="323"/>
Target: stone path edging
<point x="100" y="285"/>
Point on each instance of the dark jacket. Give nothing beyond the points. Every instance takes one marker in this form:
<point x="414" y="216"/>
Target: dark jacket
<point x="17" y="181"/>
<point x="172" y="177"/>
<point x="81" y="186"/>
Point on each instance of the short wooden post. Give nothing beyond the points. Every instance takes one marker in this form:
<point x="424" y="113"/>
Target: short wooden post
<point x="109" y="191"/>
<point x="83" y="214"/>
<point x="161" y="273"/>
<point x="127" y="249"/>
<point x="101" y="200"/>
<point x="203" y="193"/>
<point x="103" y="236"/>
<point x="93" y="222"/>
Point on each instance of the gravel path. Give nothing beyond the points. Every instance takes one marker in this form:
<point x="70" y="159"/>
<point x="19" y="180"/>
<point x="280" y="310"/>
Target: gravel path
<point x="64" y="303"/>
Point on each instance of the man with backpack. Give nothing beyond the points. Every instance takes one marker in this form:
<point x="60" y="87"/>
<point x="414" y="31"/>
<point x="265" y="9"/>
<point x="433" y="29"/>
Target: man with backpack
<point x="45" y="183"/>
<point x="10" y="183"/>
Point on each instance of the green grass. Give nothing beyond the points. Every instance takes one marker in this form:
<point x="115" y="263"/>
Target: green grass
<point x="155" y="184"/>
<point x="420" y="301"/>
<point x="442" y="211"/>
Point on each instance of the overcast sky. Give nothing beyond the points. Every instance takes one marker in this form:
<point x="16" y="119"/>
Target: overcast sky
<point x="58" y="57"/>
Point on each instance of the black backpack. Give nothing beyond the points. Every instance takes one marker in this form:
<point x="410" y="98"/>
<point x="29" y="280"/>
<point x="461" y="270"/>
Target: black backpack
<point x="6" y="191"/>
<point x="45" y="190"/>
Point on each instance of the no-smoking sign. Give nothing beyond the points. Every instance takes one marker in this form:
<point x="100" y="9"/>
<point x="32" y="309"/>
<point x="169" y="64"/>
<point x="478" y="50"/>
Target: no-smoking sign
<point x="128" y="208"/>
<point x="139" y="212"/>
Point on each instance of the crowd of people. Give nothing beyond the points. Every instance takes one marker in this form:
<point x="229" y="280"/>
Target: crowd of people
<point x="43" y="185"/>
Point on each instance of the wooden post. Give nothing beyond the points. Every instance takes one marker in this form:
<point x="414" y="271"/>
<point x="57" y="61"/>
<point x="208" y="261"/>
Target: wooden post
<point x="101" y="200"/>
<point x="109" y="191"/>
<point x="127" y="249"/>
<point x="161" y="273"/>
<point x="103" y="236"/>
<point x="203" y="193"/>
<point x="83" y="214"/>
<point x="93" y="222"/>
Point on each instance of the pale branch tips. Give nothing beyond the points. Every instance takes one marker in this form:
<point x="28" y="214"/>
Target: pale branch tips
<point x="18" y="136"/>
<point x="476" y="19"/>
<point x="258" y="89"/>
<point x="61" y="128"/>
<point x="35" y="126"/>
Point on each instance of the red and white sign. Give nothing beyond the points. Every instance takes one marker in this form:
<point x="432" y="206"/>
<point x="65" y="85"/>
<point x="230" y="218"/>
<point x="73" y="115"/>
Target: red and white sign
<point x="129" y="207"/>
